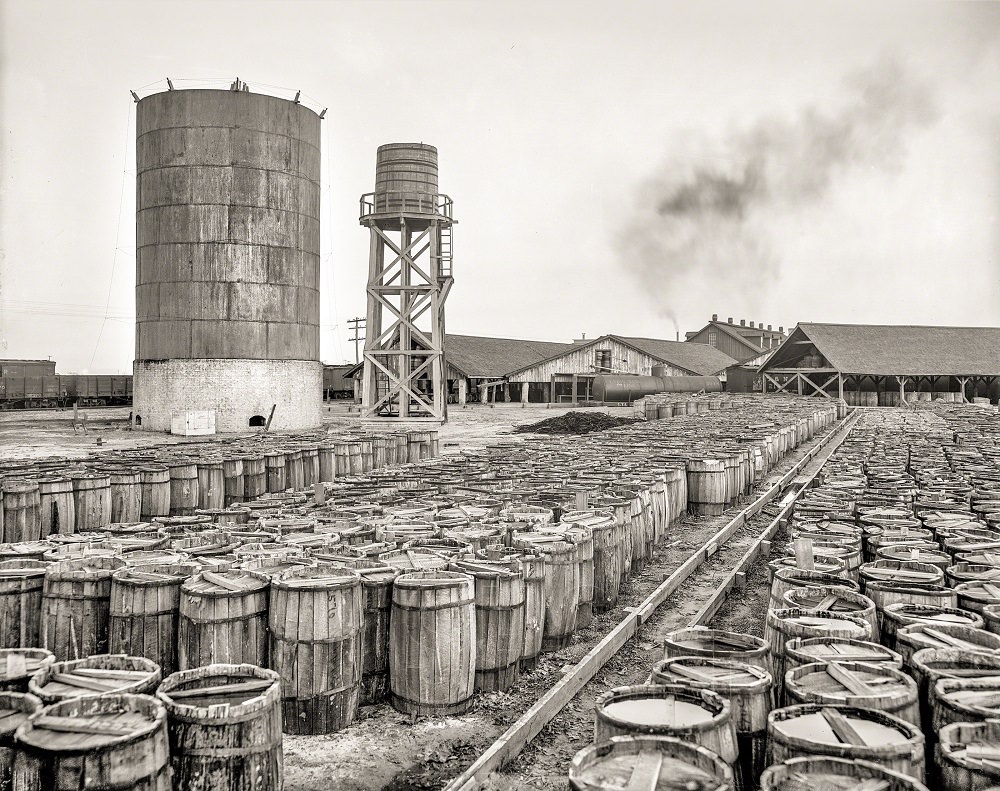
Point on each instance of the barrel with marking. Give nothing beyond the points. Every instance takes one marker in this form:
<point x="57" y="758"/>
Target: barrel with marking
<point x="316" y="622"/>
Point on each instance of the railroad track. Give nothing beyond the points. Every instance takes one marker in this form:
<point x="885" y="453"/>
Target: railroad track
<point x="512" y="741"/>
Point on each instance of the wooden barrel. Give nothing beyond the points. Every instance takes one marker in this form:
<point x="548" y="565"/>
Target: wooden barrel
<point x="376" y="589"/>
<point x="800" y="774"/>
<point x="21" y="520"/>
<point x="294" y="470"/>
<point x="904" y="571"/>
<point x="145" y="606"/>
<point x="788" y="624"/>
<point x="432" y="642"/>
<point x="316" y="622"/>
<point x="887" y="593"/>
<point x="76" y="606"/>
<point x="717" y="644"/>
<point x="254" y="476"/>
<point x="55" y="505"/>
<point x="233" y="483"/>
<point x="91" y="501"/>
<point x="154" y="486"/>
<point x="822" y="564"/>
<point x="660" y="762"/>
<point x="223" y="619"/>
<point x="917" y="636"/>
<point x="834" y="599"/>
<point x="562" y="588"/>
<point x="274" y="463"/>
<point x="878" y="687"/>
<point x="788" y="579"/>
<point x="607" y="542"/>
<point x="18" y="665"/>
<point x="533" y="572"/>
<point x="15" y="708"/>
<point x="225" y="728"/>
<point x="21" y="583"/>
<point x="126" y="495"/>
<point x="707" y="486"/>
<point x="845" y="732"/>
<point x="100" y="742"/>
<point x="583" y="541"/>
<point x="967" y="756"/>
<point x="749" y="692"/>
<point x="806" y="650"/>
<point x="964" y="700"/>
<point x="929" y="555"/>
<point x="499" y="598"/>
<point x="100" y="674"/>
<point x="184" y="488"/>
<point x="976" y="596"/>
<point x="211" y="484"/>
<point x="928" y="665"/>
<point x="698" y="716"/>
<point x="896" y="616"/>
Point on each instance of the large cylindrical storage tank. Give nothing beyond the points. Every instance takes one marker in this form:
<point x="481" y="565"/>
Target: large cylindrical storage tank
<point x="227" y="260"/>
<point x="624" y="388"/>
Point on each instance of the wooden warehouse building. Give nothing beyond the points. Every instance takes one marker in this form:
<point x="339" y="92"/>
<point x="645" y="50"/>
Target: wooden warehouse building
<point x="739" y="341"/>
<point x="506" y="369"/>
<point x="872" y="365"/>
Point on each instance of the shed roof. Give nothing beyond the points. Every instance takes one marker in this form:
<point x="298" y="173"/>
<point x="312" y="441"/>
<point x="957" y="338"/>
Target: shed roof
<point x="901" y="350"/>
<point x="477" y="356"/>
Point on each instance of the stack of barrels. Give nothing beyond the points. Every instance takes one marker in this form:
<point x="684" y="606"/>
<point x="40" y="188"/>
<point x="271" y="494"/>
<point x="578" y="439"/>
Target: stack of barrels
<point x="879" y="664"/>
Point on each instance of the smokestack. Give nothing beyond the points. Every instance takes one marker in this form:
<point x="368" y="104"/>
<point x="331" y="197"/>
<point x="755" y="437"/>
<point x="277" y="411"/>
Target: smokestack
<point x="678" y="334"/>
<point x="730" y="319"/>
<point x="751" y="325"/>
<point x="715" y="317"/>
<point x="743" y="322"/>
<point x="768" y="327"/>
<point x="781" y="330"/>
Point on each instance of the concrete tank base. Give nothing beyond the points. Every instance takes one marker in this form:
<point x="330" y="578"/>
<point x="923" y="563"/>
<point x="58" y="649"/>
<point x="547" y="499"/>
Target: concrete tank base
<point x="238" y="390"/>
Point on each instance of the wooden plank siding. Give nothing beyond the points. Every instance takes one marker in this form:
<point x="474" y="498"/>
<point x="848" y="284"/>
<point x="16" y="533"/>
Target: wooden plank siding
<point x="725" y="343"/>
<point x="624" y="359"/>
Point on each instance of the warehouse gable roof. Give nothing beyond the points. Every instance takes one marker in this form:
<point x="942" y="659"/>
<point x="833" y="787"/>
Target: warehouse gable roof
<point x="698" y="358"/>
<point x="476" y="356"/>
<point x="901" y="350"/>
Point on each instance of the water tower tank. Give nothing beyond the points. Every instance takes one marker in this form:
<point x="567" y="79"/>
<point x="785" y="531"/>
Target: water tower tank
<point x="227" y="259"/>
<point x="406" y="178"/>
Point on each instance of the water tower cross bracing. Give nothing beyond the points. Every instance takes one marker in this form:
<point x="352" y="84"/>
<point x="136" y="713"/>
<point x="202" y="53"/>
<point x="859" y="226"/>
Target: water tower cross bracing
<point x="409" y="278"/>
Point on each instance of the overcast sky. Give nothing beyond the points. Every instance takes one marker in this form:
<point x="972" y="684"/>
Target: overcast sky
<point x="615" y="166"/>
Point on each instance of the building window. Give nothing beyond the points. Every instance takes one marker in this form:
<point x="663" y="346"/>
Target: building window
<point x="713" y="339"/>
<point x="602" y="359"/>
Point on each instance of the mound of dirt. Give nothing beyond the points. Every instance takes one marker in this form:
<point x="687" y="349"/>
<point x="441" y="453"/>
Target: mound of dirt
<point x="575" y="423"/>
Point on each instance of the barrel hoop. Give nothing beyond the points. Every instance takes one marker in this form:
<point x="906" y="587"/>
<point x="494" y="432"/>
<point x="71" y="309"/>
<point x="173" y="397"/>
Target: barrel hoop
<point x="224" y="752"/>
<point x="325" y="693"/>
<point x="505" y="608"/>
<point x="451" y="605"/>
<point x="327" y="641"/>
<point x="144" y="614"/>
<point x="405" y="699"/>
<point x="61" y="597"/>
<point x="244" y="617"/>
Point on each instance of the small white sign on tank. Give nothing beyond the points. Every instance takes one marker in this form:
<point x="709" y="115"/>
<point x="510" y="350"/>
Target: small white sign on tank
<point x="193" y="423"/>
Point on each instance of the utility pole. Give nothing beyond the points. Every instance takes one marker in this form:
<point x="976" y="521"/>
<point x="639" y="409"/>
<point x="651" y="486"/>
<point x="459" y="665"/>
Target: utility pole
<point x="357" y="324"/>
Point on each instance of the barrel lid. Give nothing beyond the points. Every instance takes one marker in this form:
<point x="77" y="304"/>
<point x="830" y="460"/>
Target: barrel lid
<point x="972" y="696"/>
<point x="25" y="548"/>
<point x="414" y="559"/>
<point x="849" y="680"/>
<point x="836" y="649"/>
<point x="901" y="571"/>
<point x="713" y="673"/>
<point x="666" y="706"/>
<point x="824" y="600"/>
<point x="827" y="773"/>
<point x="82" y="725"/>
<point x="839" y="725"/>
<point x="155" y="573"/>
<point x="225" y="582"/>
<point x="715" y="641"/>
<point x="324" y="577"/>
<point x="609" y="765"/>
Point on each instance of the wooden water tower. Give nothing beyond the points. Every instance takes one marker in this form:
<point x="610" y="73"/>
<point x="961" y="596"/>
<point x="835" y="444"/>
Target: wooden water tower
<point x="409" y="277"/>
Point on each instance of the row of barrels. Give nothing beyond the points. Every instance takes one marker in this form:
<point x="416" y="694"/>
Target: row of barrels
<point x="112" y="722"/>
<point x="52" y="497"/>
<point x="880" y="661"/>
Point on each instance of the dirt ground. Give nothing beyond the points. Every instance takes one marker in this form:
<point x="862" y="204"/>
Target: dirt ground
<point x="41" y="433"/>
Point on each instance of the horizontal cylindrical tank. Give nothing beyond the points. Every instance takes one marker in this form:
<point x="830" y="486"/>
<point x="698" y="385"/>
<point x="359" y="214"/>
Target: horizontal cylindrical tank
<point x="406" y="178"/>
<point x="629" y="388"/>
<point x="227" y="258"/>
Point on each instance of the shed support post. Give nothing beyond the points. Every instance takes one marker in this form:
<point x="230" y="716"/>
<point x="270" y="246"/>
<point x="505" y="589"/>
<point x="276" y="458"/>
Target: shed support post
<point x="962" y="381"/>
<point x="463" y="387"/>
<point x="798" y="381"/>
<point x="576" y="381"/>
<point x="524" y="392"/>
<point x="552" y="389"/>
<point x="840" y="386"/>
<point x="506" y="392"/>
